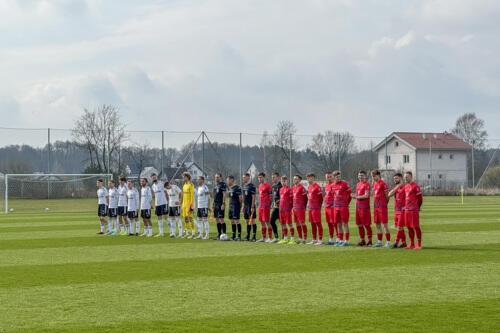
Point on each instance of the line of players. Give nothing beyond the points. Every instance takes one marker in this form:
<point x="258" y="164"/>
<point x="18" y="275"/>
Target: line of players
<point x="276" y="202"/>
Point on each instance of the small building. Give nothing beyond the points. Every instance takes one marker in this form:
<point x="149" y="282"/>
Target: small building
<point x="438" y="160"/>
<point x="252" y="170"/>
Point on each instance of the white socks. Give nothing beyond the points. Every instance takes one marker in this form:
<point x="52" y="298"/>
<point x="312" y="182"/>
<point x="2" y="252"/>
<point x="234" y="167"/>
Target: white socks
<point x="179" y="224"/>
<point x="160" y="225"/>
<point x="172" y="226"/>
<point x="102" y="227"/>
<point x="207" y="228"/>
<point x="137" y="226"/>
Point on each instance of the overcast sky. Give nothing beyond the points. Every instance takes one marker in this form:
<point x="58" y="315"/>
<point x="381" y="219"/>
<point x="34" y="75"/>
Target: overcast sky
<point x="369" y="67"/>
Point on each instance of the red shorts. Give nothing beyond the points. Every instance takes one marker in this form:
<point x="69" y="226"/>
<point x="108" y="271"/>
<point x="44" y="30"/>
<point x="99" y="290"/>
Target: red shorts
<point x="315" y="215"/>
<point x="286" y="217"/>
<point x="341" y="214"/>
<point x="380" y="215"/>
<point x="399" y="219"/>
<point x="299" y="216"/>
<point x="330" y="215"/>
<point x="264" y="214"/>
<point x="412" y="218"/>
<point x="363" y="217"/>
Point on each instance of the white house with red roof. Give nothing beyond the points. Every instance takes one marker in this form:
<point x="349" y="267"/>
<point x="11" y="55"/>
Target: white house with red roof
<point x="435" y="159"/>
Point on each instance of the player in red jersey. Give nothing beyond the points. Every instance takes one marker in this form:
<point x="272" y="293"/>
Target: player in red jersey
<point x="341" y="203"/>
<point x="286" y="201"/>
<point x="363" y="214"/>
<point x="398" y="192"/>
<point x="380" y="215"/>
<point x="413" y="202"/>
<point x="315" y="199"/>
<point x="329" y="209"/>
<point x="264" y="213"/>
<point x="299" y="208"/>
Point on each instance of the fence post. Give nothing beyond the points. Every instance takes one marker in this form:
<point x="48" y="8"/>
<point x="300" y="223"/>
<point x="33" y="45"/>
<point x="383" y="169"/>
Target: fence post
<point x="386" y="158"/>
<point x="6" y="194"/>
<point x="202" y="153"/>
<point x="290" y="157"/>
<point x="473" y="170"/>
<point x="48" y="150"/>
<point x="162" y="151"/>
<point x="241" y="167"/>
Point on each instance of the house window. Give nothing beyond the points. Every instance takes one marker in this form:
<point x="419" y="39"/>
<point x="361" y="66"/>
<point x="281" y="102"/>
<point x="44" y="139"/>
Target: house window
<point x="396" y="144"/>
<point x="451" y="156"/>
<point x="387" y="158"/>
<point x="428" y="176"/>
<point x="440" y="156"/>
<point x="440" y="176"/>
<point x="406" y="158"/>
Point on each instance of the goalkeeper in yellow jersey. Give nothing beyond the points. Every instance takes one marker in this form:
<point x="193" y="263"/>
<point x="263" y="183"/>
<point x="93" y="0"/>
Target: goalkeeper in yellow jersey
<point x="187" y="204"/>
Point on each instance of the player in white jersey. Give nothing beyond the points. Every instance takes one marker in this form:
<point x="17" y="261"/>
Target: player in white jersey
<point x="112" y="208"/>
<point x="146" y="197"/>
<point x="122" y="206"/>
<point x="202" y="200"/>
<point x="132" y="208"/>
<point x="161" y="210"/>
<point x="174" y="208"/>
<point x="102" y="205"/>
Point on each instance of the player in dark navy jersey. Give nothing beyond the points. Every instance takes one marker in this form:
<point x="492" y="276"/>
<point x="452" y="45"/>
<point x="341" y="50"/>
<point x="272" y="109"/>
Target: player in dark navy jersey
<point x="249" y="193"/>
<point x="275" y="213"/>
<point x="235" y="199"/>
<point x="219" y="203"/>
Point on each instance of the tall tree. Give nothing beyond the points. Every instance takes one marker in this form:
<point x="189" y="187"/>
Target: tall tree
<point x="332" y="147"/>
<point x="101" y="132"/>
<point x="470" y="128"/>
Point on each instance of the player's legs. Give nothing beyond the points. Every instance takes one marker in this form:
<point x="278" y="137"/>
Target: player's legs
<point x="275" y="216"/>
<point x="361" y="229"/>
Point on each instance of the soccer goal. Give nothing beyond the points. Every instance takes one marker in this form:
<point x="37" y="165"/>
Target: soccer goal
<point x="31" y="193"/>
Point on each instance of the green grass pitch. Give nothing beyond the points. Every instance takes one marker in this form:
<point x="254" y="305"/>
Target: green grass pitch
<point x="57" y="275"/>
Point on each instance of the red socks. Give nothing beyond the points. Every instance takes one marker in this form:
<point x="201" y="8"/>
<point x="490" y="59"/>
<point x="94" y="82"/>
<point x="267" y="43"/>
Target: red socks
<point x="361" y="233"/>
<point x="285" y="232"/>
<point x="304" y="231"/>
<point x="346" y="236"/>
<point x="419" y="236"/>
<point x="270" y="232"/>
<point x="330" y="229"/>
<point x="314" y="230"/>
<point x="379" y="237"/>
<point x="320" y="231"/>
<point x="292" y="232"/>
<point x="341" y="236"/>
<point x="388" y="236"/>
<point x="299" y="231"/>
<point x="411" y="235"/>
<point x="369" y="233"/>
<point x="264" y="230"/>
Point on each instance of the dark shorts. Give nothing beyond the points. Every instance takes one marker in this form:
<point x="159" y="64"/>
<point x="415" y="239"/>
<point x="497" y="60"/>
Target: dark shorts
<point x="202" y="213"/>
<point x="234" y="212"/>
<point x="161" y="210"/>
<point x="146" y="213"/>
<point x="122" y="211"/>
<point x="218" y="211"/>
<point x="275" y="214"/>
<point x="174" y="211"/>
<point x="102" y="210"/>
<point x="112" y="212"/>
<point x="247" y="210"/>
<point x="132" y="214"/>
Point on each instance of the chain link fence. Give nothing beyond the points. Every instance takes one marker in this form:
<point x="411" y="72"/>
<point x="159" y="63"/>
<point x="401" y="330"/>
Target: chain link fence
<point x="205" y="153"/>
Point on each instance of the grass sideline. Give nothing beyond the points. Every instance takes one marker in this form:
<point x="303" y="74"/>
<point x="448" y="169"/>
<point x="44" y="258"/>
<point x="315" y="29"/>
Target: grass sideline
<point x="57" y="275"/>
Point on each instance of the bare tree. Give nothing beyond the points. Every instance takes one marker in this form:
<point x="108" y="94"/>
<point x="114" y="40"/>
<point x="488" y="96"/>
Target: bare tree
<point x="101" y="132"/>
<point x="332" y="148"/>
<point x="470" y="128"/>
<point x="283" y="141"/>
<point x="141" y="155"/>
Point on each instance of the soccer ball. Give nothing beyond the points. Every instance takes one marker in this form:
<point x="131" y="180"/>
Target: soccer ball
<point x="223" y="237"/>
<point x="12" y="209"/>
<point x="47" y="209"/>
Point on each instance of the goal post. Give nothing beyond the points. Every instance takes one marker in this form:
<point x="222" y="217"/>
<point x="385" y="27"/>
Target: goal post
<point x="39" y="191"/>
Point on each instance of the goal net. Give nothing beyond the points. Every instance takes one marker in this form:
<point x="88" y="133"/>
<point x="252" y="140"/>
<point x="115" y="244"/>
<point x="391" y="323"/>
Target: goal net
<point x="35" y="193"/>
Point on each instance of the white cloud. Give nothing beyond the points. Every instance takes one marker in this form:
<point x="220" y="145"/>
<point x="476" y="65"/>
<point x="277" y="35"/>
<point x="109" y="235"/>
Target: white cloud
<point x="226" y="61"/>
